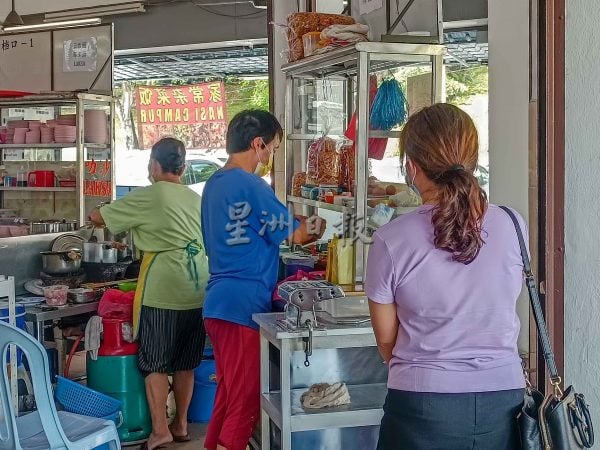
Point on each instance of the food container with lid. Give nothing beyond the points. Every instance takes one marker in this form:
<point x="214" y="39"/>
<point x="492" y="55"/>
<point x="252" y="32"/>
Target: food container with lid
<point x="56" y="295"/>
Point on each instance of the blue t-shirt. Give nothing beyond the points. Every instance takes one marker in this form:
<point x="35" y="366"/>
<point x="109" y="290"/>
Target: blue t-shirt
<point x="243" y="224"/>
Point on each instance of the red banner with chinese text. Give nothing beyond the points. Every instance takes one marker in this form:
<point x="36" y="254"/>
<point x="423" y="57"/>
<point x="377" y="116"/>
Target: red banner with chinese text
<point x="194" y="113"/>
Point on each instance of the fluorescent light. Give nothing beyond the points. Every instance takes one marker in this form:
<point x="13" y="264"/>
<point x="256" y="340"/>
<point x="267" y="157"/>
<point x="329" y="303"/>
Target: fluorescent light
<point x="49" y="26"/>
<point x="94" y="11"/>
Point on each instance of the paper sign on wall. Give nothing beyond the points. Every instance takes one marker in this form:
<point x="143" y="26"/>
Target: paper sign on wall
<point x="368" y="6"/>
<point x="81" y="55"/>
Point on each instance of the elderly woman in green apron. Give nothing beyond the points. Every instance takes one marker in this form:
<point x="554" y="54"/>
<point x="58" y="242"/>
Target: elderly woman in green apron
<point x="164" y="219"/>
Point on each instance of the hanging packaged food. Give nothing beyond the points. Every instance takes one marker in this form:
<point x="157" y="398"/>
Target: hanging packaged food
<point x="312" y="162"/>
<point x="328" y="167"/>
<point x="298" y="180"/>
<point x="347" y="167"/>
<point x="300" y="23"/>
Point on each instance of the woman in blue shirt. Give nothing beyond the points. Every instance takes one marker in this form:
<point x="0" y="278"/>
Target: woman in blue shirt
<point x="243" y="224"/>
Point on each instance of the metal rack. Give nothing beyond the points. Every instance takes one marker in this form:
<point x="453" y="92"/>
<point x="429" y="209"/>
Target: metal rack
<point x="352" y="66"/>
<point x="346" y="353"/>
<point x="85" y="151"/>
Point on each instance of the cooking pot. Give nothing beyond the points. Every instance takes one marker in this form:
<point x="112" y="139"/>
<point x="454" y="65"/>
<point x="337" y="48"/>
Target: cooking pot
<point x="58" y="263"/>
<point x="53" y="226"/>
<point x="41" y="178"/>
<point x="99" y="252"/>
<point x="66" y="226"/>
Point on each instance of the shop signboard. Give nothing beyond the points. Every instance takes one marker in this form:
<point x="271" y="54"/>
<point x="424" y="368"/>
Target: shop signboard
<point x="97" y="182"/>
<point x="195" y="113"/>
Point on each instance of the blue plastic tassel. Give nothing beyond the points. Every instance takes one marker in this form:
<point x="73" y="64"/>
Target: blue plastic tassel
<point x="390" y="107"/>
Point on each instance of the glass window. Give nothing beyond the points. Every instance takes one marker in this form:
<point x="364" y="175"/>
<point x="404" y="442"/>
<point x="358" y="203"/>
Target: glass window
<point x="198" y="171"/>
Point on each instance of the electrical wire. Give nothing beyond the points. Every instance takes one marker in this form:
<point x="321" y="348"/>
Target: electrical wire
<point x="234" y="16"/>
<point x="206" y="9"/>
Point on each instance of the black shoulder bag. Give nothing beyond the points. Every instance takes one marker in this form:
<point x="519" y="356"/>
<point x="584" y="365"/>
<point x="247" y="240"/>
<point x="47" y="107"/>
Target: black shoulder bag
<point x="561" y="421"/>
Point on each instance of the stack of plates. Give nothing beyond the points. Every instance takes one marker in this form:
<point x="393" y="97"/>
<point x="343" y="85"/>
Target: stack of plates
<point x="65" y="133"/>
<point x="3" y="133"/>
<point x="12" y="126"/>
<point x="33" y="136"/>
<point x="46" y="135"/>
<point x="96" y="126"/>
<point x="67" y="119"/>
<point x="20" y="135"/>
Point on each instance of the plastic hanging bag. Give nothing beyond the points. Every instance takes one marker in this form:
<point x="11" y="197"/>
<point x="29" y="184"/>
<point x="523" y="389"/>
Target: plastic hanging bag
<point x="115" y="304"/>
<point x="376" y="146"/>
<point x="389" y="107"/>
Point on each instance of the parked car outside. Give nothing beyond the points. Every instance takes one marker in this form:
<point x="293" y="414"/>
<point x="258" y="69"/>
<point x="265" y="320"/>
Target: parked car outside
<point x="132" y="169"/>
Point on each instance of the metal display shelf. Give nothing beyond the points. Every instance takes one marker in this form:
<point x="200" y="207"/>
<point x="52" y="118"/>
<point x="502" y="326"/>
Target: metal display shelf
<point x="281" y="389"/>
<point x="56" y="98"/>
<point x="372" y="133"/>
<point x="54" y="145"/>
<point x="78" y="102"/>
<point x="40" y="189"/>
<point x="364" y="410"/>
<point x="353" y="65"/>
<point x="346" y="60"/>
<point x="318" y="204"/>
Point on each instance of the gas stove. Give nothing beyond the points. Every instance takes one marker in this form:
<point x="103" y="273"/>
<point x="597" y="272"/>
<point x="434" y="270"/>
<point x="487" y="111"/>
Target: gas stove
<point x="73" y="280"/>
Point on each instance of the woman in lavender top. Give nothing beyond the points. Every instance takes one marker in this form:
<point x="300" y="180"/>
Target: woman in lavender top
<point x="443" y="283"/>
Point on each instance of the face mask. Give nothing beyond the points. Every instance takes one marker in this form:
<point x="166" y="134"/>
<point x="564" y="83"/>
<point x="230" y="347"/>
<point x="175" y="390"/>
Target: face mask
<point x="263" y="169"/>
<point x="411" y="183"/>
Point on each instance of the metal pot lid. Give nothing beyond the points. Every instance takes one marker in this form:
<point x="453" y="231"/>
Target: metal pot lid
<point x="67" y="243"/>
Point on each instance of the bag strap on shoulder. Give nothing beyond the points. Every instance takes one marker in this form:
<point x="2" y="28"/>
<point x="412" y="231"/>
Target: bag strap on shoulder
<point x="536" y="305"/>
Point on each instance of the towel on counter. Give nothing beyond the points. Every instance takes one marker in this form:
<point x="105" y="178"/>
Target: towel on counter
<point x="351" y="33"/>
<point x="93" y="329"/>
<point x="325" y="395"/>
<point x="335" y="36"/>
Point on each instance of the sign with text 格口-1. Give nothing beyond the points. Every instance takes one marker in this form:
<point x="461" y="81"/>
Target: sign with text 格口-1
<point x="194" y="113"/>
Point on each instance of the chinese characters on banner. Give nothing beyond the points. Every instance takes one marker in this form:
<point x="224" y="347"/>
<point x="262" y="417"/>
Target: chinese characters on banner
<point x="97" y="182"/>
<point x="195" y="113"/>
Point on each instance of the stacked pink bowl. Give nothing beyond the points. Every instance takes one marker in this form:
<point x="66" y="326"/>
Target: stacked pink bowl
<point x="96" y="126"/>
<point x="65" y="133"/>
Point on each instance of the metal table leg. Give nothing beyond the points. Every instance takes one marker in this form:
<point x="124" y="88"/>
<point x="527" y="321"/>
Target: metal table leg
<point x="286" y="400"/>
<point x="39" y="331"/>
<point x="265" y="387"/>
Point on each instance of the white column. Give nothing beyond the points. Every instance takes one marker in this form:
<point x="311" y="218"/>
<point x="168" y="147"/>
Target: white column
<point x="582" y="202"/>
<point x="508" y="115"/>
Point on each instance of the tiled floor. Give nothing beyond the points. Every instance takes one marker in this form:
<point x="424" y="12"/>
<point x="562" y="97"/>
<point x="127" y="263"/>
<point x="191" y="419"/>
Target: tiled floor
<point x="196" y="431"/>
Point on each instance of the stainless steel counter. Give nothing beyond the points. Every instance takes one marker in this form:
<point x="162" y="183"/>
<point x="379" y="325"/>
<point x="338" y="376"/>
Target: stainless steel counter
<point x="39" y="315"/>
<point x="340" y="353"/>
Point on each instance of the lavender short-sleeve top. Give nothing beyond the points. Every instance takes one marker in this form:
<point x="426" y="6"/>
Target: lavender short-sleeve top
<point x="458" y="323"/>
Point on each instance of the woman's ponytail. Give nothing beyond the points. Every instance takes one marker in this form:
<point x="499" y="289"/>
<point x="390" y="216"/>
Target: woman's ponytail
<point x="442" y="140"/>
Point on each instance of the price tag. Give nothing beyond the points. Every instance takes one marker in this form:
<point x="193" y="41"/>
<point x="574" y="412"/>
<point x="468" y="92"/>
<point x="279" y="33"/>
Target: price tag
<point x="13" y="154"/>
<point x="98" y="154"/>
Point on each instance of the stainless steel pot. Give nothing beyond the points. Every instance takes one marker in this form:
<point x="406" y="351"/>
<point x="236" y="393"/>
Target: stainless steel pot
<point x="53" y="226"/>
<point x="66" y="226"/>
<point x="99" y="252"/>
<point x="59" y="263"/>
